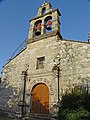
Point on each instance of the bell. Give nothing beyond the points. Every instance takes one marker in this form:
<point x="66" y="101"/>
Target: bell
<point x="48" y="27"/>
<point x="38" y="32"/>
<point x="38" y="29"/>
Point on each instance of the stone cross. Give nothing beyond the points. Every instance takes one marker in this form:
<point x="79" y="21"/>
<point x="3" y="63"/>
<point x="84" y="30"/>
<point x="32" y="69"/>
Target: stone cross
<point x="44" y="1"/>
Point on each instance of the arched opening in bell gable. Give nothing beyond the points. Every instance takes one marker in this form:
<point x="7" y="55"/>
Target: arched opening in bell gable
<point x="48" y="24"/>
<point x="37" y="28"/>
<point x="43" y="10"/>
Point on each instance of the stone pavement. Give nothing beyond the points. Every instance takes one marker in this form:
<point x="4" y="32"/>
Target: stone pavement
<point x="3" y="118"/>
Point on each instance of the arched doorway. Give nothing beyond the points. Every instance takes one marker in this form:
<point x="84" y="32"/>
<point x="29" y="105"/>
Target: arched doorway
<point x="40" y="99"/>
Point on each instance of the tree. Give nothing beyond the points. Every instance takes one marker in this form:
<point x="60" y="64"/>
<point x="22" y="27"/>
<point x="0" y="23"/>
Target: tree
<point x="75" y="105"/>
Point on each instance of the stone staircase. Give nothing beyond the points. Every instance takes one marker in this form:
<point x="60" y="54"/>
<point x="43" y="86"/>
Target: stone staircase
<point x="39" y="117"/>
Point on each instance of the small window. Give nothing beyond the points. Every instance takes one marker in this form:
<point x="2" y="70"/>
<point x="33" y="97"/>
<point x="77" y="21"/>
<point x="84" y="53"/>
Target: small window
<point x="40" y="63"/>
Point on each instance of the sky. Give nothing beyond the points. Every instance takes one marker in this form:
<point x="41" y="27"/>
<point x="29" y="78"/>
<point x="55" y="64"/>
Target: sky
<point x="15" y="16"/>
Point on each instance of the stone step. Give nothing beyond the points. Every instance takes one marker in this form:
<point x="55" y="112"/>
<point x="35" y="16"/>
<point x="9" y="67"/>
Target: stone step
<point x="39" y="117"/>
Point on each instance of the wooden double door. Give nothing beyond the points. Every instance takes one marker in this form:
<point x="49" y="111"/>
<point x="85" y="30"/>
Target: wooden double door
<point x="40" y="99"/>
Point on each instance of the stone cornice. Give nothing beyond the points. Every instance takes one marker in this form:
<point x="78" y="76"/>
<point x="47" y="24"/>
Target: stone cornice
<point x="37" y="17"/>
<point x="77" y="41"/>
<point x="44" y="36"/>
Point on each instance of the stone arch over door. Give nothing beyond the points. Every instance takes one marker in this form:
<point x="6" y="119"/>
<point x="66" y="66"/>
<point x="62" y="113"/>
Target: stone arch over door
<point x="40" y="99"/>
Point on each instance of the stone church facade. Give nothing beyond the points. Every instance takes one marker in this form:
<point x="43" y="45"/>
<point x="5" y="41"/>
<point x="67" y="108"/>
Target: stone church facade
<point x="45" y="68"/>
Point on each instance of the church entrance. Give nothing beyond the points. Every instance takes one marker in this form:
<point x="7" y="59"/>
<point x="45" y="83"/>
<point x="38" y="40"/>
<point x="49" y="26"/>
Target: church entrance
<point x="40" y="99"/>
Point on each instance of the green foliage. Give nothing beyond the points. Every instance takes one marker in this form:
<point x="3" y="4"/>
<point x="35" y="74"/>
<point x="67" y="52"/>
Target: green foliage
<point x="77" y="114"/>
<point x="87" y="102"/>
<point x="75" y="106"/>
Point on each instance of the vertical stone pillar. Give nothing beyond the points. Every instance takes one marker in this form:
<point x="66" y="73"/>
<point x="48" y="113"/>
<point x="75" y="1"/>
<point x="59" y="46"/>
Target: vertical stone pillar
<point x="55" y="21"/>
<point x="31" y="30"/>
<point x="48" y="7"/>
<point x="39" y="11"/>
<point x="43" y="31"/>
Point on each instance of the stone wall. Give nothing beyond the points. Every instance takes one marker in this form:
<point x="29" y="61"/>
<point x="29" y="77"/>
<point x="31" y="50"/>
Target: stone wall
<point x="75" y="63"/>
<point x="74" y="69"/>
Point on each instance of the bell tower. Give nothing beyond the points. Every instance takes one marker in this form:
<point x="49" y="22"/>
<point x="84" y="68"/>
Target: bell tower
<point x="46" y="21"/>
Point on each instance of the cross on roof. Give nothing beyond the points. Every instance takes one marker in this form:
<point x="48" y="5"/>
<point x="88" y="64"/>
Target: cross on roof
<point x="44" y="1"/>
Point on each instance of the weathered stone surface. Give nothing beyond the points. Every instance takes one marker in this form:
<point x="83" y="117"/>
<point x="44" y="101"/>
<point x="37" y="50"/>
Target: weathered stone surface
<point x="74" y="68"/>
